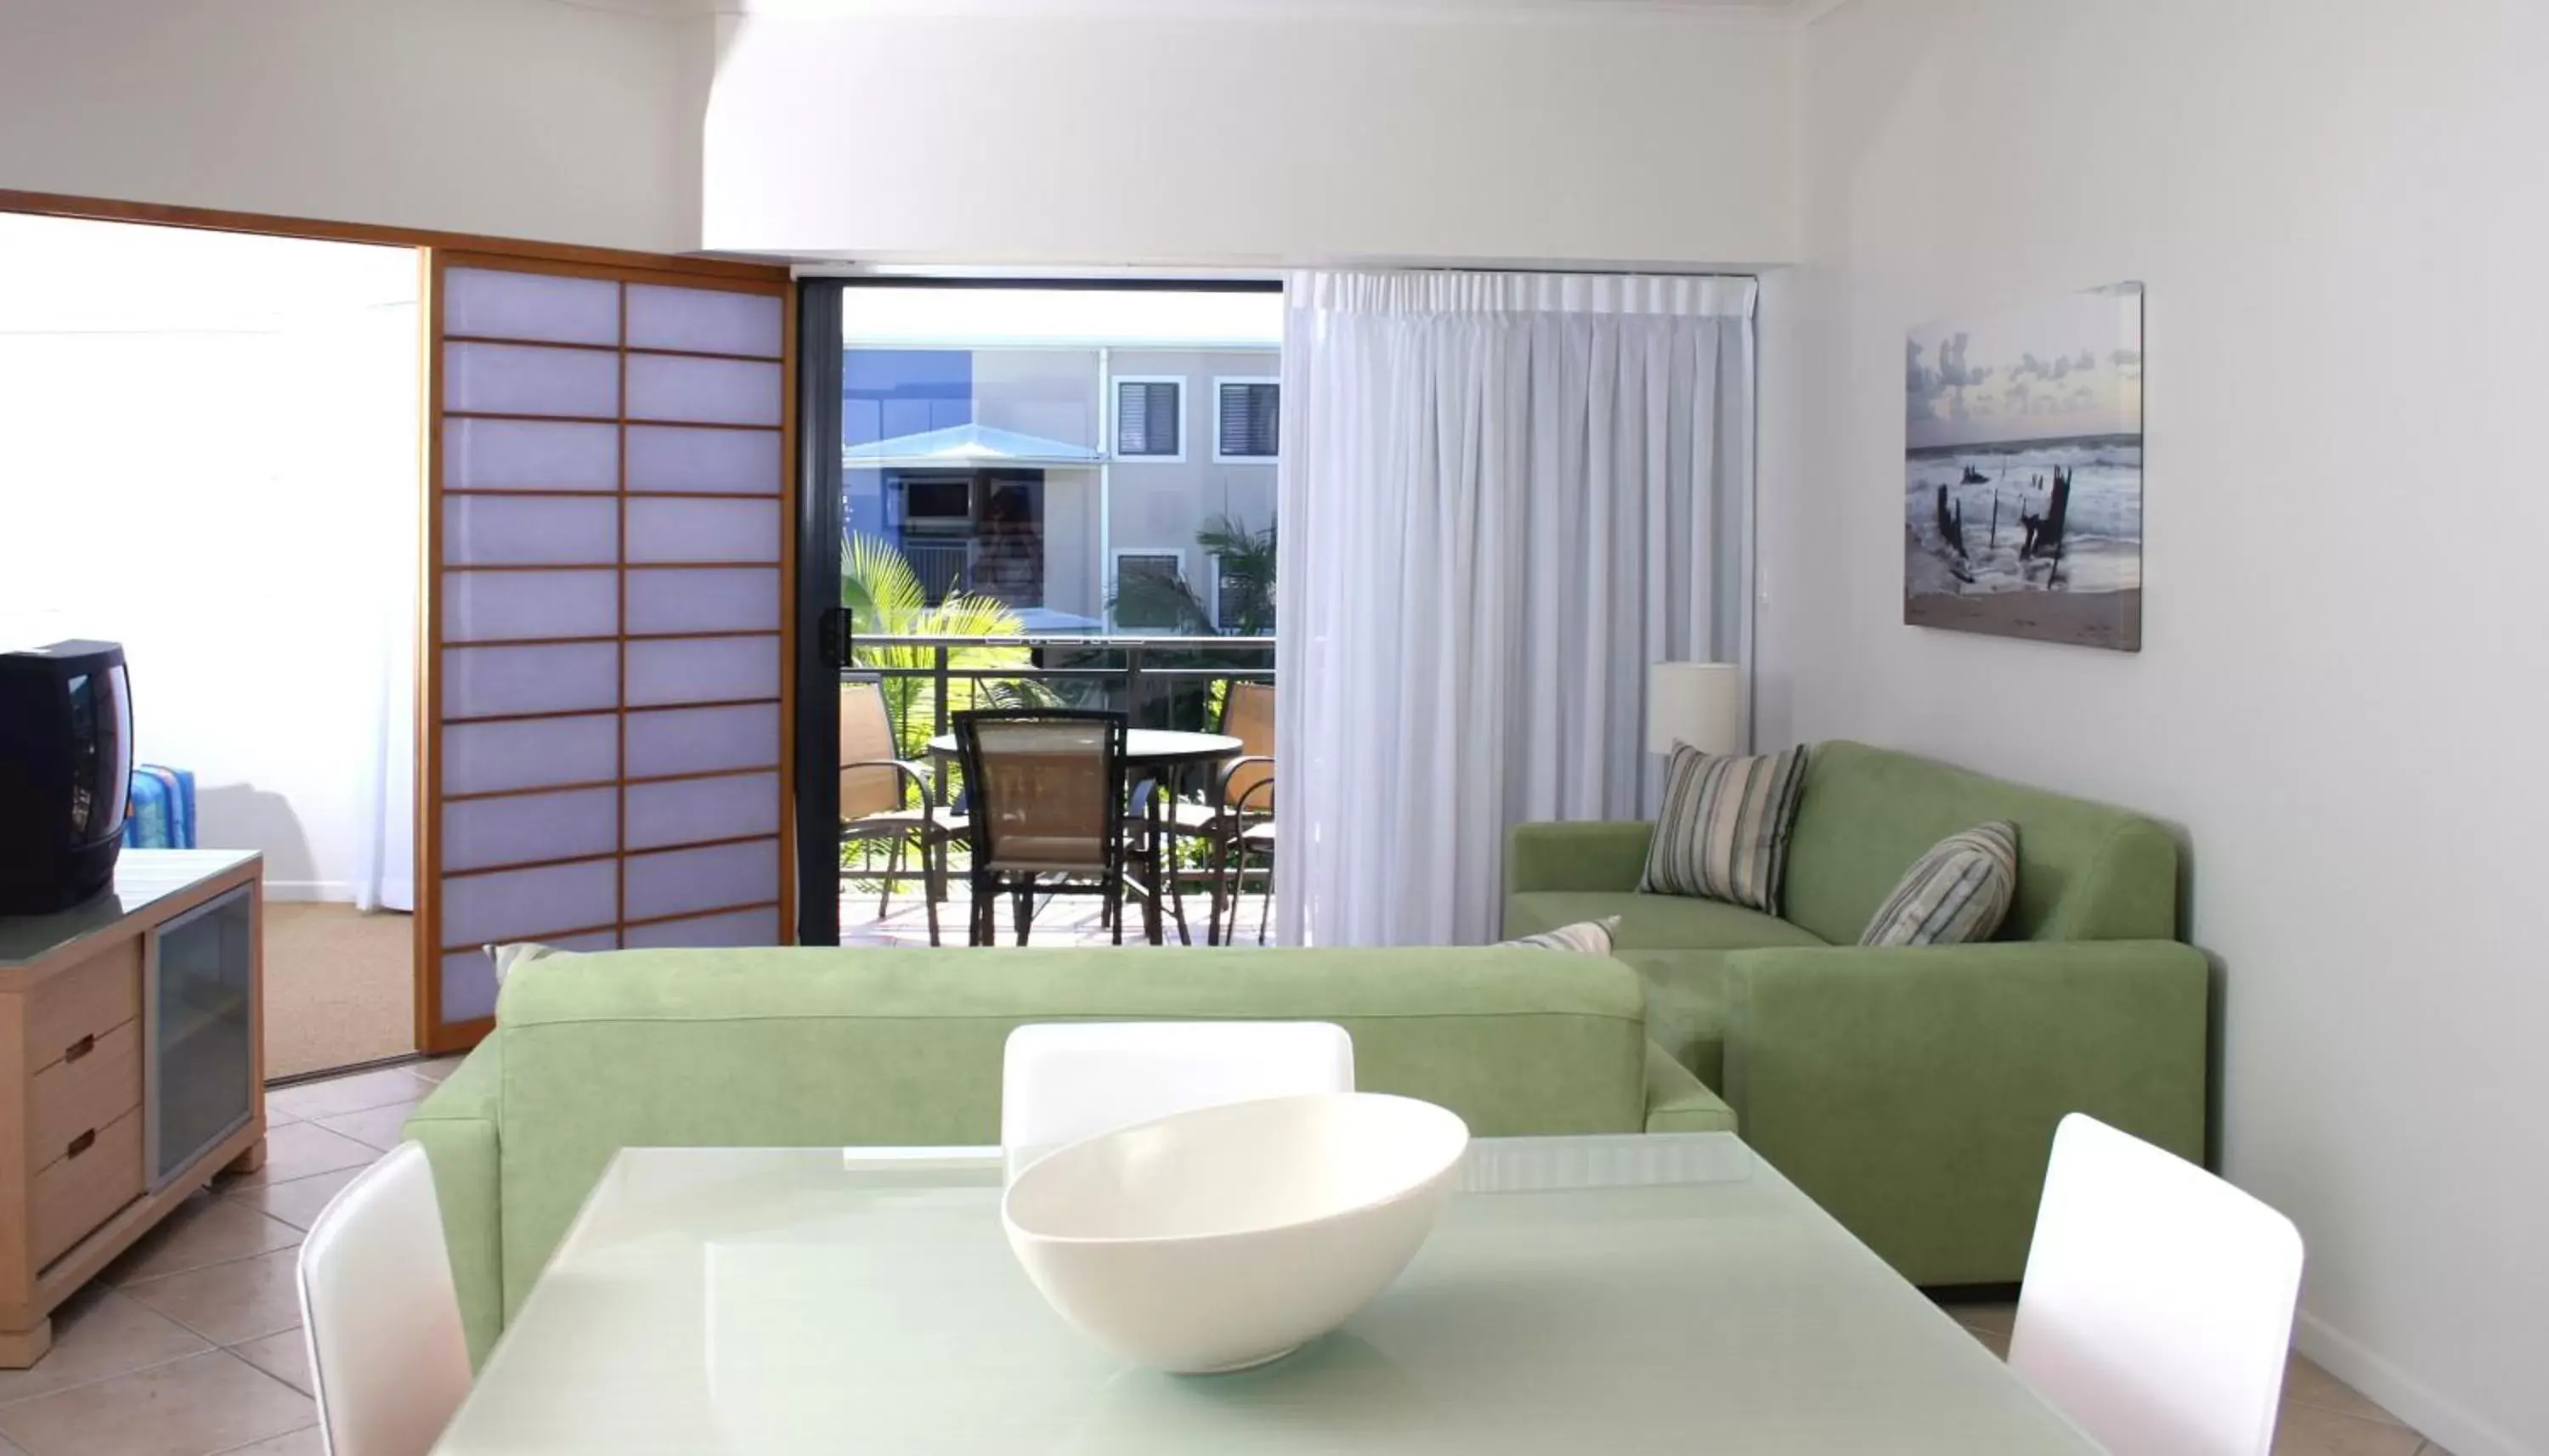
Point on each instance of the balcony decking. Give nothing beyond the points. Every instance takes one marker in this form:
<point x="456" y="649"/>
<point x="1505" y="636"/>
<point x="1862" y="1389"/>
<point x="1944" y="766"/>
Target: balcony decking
<point x="1064" y="920"/>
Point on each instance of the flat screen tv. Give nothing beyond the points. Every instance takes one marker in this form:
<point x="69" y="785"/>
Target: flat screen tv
<point x="66" y="767"/>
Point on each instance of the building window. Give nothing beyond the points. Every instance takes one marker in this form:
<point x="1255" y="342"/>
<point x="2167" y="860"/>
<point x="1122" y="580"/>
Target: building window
<point x="1248" y="420"/>
<point x="1151" y="590"/>
<point x="1150" y="417"/>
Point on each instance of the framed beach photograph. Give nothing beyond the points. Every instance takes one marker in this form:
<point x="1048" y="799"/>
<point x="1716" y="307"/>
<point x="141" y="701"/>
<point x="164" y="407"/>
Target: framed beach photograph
<point x="2023" y="472"/>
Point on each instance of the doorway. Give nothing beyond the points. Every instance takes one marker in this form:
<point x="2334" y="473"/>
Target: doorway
<point x="208" y="446"/>
<point x="1021" y="492"/>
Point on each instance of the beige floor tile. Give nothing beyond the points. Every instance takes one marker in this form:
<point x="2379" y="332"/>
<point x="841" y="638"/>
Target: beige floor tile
<point x="2304" y="1383"/>
<point x="1998" y="1318"/>
<point x="201" y="1230"/>
<point x="243" y="1300"/>
<point x="296" y="1203"/>
<point x="300" y="1149"/>
<point x="302" y="1442"/>
<point x="1994" y="1340"/>
<point x="9" y="1447"/>
<point x="434" y="1069"/>
<point x="2308" y="1430"/>
<point x="339" y="1095"/>
<point x="99" y="1333"/>
<point x="284" y="1356"/>
<point x="378" y="1127"/>
<point x="202" y="1403"/>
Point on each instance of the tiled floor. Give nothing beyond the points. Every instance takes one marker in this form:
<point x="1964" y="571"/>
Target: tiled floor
<point x="2322" y="1416"/>
<point x="190" y="1344"/>
<point x="1060" y="920"/>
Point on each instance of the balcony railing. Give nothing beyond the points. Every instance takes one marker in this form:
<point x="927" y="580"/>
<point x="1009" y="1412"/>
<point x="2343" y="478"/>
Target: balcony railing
<point x="1154" y="681"/>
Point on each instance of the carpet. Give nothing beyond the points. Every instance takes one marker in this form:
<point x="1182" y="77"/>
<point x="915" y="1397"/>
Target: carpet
<point x="339" y="987"/>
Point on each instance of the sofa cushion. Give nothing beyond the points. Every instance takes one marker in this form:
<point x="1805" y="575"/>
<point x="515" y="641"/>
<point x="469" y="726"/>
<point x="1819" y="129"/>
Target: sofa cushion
<point x="1955" y="895"/>
<point x="1653" y="922"/>
<point x="2085" y="871"/>
<point x="1723" y="833"/>
<point x="1584" y="937"/>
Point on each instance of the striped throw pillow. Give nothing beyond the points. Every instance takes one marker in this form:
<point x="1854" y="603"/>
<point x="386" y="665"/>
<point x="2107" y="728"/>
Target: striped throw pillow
<point x="1955" y="895"/>
<point x="1585" y="936"/>
<point x="1723" y="834"/>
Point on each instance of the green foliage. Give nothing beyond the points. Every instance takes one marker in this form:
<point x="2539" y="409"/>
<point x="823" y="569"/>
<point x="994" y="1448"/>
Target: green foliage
<point x="886" y="600"/>
<point x="1248" y="565"/>
<point x="1171" y="608"/>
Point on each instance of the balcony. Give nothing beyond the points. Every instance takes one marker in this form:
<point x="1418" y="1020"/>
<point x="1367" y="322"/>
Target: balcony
<point x="1157" y="681"/>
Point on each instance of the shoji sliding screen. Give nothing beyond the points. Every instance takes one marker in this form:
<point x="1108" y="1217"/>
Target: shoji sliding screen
<point x="609" y="527"/>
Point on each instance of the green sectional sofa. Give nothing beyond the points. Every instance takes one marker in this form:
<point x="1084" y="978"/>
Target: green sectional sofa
<point x="1913" y="1092"/>
<point x="820" y="1048"/>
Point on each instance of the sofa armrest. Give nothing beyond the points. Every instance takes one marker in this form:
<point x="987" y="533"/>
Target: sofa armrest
<point x="1577" y="855"/>
<point x="456" y="1126"/>
<point x="1913" y="1091"/>
<point x="1676" y="1102"/>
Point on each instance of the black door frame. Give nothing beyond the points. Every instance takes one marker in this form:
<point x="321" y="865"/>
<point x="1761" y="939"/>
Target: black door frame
<point x="823" y="635"/>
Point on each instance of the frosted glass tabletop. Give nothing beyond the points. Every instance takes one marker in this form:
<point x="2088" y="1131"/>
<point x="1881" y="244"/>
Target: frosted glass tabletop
<point x="1665" y="1296"/>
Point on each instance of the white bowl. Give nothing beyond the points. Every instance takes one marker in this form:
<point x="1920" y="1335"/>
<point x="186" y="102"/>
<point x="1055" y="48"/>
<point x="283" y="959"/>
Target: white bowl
<point x="1223" y="1238"/>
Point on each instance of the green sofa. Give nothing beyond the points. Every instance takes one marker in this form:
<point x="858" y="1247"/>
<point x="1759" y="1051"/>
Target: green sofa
<point x="820" y="1048"/>
<point x="1913" y="1092"/>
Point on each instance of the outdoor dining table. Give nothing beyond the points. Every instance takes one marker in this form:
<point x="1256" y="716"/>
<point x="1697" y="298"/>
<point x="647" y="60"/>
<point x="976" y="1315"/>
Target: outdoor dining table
<point x="1626" y="1295"/>
<point x="1159" y="751"/>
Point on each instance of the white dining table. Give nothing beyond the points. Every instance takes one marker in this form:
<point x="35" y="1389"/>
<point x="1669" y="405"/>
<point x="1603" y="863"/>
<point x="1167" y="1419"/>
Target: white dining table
<point x="1613" y="1296"/>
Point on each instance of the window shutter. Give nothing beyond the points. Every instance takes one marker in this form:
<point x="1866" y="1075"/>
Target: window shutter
<point x="1145" y="418"/>
<point x="1251" y="415"/>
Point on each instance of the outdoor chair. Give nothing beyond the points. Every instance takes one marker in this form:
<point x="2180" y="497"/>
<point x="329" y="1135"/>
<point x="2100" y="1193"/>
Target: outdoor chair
<point x="1046" y="787"/>
<point x="886" y="798"/>
<point x="1243" y="818"/>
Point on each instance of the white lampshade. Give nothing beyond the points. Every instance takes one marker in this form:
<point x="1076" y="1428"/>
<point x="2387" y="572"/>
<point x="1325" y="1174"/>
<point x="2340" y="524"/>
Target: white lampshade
<point x="1697" y="704"/>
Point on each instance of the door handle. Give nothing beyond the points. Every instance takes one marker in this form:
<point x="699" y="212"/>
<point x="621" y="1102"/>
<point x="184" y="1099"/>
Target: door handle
<point x="81" y="1048"/>
<point x="81" y="1144"/>
<point x="832" y="635"/>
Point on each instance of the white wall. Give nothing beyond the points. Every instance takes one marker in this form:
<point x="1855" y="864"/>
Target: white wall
<point x="1237" y="134"/>
<point x="527" y="119"/>
<point x="208" y="452"/>
<point x="2338" y="211"/>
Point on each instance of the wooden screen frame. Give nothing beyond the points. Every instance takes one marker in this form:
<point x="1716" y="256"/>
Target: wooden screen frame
<point x="435" y="1036"/>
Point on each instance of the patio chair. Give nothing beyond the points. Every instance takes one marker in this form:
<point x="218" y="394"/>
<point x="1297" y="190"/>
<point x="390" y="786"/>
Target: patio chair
<point x="1243" y="799"/>
<point x="1047" y="791"/>
<point x="886" y="798"/>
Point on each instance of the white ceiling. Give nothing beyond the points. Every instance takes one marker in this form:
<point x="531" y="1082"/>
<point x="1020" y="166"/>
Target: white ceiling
<point x="1785" y="10"/>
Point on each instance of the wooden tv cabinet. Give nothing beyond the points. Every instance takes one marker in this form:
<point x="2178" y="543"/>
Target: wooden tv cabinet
<point x="132" y="1069"/>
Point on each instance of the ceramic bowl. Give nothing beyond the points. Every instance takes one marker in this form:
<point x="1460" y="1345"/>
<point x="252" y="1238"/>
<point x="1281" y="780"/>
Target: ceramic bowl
<point x="1226" y="1237"/>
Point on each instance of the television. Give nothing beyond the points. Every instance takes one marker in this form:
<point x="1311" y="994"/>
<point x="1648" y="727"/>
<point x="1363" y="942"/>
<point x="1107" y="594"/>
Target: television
<point x="65" y="768"/>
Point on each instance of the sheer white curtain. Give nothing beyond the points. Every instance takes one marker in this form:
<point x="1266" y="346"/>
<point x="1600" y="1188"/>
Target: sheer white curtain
<point x="1502" y="496"/>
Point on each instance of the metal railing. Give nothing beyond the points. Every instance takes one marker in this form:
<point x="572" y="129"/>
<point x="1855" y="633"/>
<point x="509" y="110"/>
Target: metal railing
<point x="1154" y="681"/>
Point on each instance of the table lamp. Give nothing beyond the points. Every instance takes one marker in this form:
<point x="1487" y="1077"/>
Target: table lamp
<point x="1697" y="704"/>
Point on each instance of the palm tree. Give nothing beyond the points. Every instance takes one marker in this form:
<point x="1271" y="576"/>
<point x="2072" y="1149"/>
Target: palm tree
<point x="1167" y="605"/>
<point x="1247" y="584"/>
<point x="887" y="601"/>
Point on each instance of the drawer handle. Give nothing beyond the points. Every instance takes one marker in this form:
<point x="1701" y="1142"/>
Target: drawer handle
<point x="81" y="1048"/>
<point x="81" y="1144"/>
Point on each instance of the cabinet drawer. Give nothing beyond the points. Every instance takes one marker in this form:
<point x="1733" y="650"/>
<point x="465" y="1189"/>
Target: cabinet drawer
<point x="91" y="999"/>
<point x="81" y="1190"/>
<point x="100" y="1081"/>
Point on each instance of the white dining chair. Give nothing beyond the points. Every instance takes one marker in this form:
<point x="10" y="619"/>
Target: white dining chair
<point x="388" y="1359"/>
<point x="2157" y="1312"/>
<point x="1065" y="1081"/>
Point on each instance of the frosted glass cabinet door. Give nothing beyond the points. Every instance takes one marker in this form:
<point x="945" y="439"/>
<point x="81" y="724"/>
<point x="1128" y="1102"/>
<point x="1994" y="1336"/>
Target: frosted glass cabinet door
<point x="202" y="1066"/>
